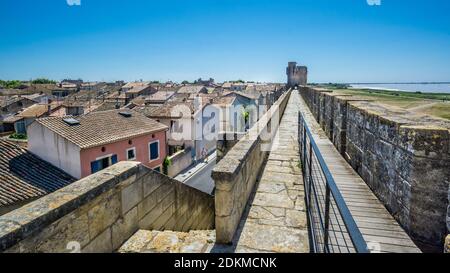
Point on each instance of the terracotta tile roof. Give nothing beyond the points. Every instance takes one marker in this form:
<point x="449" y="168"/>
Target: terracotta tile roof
<point x="37" y="110"/>
<point x="12" y="119"/>
<point x="180" y="97"/>
<point x="35" y="96"/>
<point x="192" y="89"/>
<point x="139" y="101"/>
<point x="168" y="110"/>
<point x="160" y="96"/>
<point x="24" y="176"/>
<point x="203" y="96"/>
<point x="224" y="101"/>
<point x="235" y="93"/>
<point x="138" y="89"/>
<point x="136" y="84"/>
<point x="15" y="99"/>
<point x="108" y="105"/>
<point x="100" y="128"/>
<point x="147" y="109"/>
<point x="226" y="85"/>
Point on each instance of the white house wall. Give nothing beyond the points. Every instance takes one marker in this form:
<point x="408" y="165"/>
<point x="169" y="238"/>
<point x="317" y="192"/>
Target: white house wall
<point x="54" y="149"/>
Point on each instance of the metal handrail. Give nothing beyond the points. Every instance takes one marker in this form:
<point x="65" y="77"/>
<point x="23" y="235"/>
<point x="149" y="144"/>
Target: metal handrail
<point x="332" y="193"/>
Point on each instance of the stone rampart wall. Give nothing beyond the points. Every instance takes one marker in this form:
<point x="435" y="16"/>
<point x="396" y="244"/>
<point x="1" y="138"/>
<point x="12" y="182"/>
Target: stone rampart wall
<point x="404" y="160"/>
<point x="236" y="173"/>
<point x="100" y="212"/>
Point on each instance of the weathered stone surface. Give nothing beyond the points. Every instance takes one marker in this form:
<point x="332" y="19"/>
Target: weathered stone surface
<point x="131" y="196"/>
<point x="103" y="215"/>
<point x="295" y="218"/>
<point x="267" y="213"/>
<point x="147" y="204"/>
<point x="101" y="244"/>
<point x="268" y="227"/>
<point x="169" y="242"/>
<point x="138" y="242"/>
<point x="280" y="199"/>
<point x="271" y="187"/>
<point x="274" y="239"/>
<point x="288" y="179"/>
<point x="124" y="227"/>
<point x="164" y="242"/>
<point x="150" y="185"/>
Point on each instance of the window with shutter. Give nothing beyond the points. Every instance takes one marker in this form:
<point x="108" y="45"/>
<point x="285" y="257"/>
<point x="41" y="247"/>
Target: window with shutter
<point x="103" y="163"/>
<point x="154" y="150"/>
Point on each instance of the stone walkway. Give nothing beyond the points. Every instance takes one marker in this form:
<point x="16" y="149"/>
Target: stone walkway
<point x="275" y="219"/>
<point x="146" y="241"/>
<point x="377" y="226"/>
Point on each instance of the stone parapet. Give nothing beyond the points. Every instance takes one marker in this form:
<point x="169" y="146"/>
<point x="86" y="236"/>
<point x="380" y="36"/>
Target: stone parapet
<point x="404" y="159"/>
<point x="236" y="173"/>
<point x="100" y="212"/>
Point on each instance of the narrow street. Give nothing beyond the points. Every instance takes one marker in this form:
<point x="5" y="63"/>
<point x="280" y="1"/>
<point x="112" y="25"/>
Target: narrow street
<point x="199" y="176"/>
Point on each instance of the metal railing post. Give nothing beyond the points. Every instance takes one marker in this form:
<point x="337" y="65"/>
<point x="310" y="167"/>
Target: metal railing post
<point x="310" y="178"/>
<point x="304" y="146"/>
<point x="327" y="219"/>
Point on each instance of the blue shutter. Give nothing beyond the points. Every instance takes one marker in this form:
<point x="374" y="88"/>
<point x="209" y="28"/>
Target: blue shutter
<point x="154" y="151"/>
<point x="114" y="159"/>
<point x="95" y="166"/>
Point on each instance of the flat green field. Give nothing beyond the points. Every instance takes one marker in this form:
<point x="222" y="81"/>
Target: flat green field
<point x="434" y="104"/>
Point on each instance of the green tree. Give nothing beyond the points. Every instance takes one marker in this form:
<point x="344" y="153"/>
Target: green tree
<point x="43" y="81"/>
<point x="18" y="136"/>
<point x="167" y="162"/>
<point x="10" y="84"/>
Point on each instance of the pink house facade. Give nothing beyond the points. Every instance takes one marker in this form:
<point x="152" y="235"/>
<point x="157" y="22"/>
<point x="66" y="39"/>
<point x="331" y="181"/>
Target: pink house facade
<point x="87" y="144"/>
<point x="133" y="149"/>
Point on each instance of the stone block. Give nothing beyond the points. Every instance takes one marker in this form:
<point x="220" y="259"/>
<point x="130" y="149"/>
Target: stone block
<point x="138" y="242"/>
<point x="225" y="228"/>
<point x="296" y="219"/>
<point x="280" y="200"/>
<point x="101" y="244"/>
<point x="147" y="204"/>
<point x="425" y="142"/>
<point x="147" y="221"/>
<point x="388" y="130"/>
<point x="150" y="185"/>
<point x="131" y="196"/>
<point x="224" y="202"/>
<point x="274" y="239"/>
<point x="354" y="156"/>
<point x="428" y="228"/>
<point x="159" y="223"/>
<point x="124" y="227"/>
<point x="163" y="242"/>
<point x="103" y="215"/>
<point x="57" y="236"/>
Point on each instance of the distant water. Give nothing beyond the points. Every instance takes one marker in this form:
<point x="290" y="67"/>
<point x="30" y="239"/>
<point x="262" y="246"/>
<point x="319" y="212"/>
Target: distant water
<point x="408" y="87"/>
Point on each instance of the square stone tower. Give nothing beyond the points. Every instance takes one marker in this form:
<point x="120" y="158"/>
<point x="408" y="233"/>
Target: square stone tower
<point x="296" y="75"/>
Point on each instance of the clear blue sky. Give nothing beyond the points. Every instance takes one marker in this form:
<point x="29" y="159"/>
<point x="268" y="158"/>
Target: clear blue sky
<point x="339" y="40"/>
